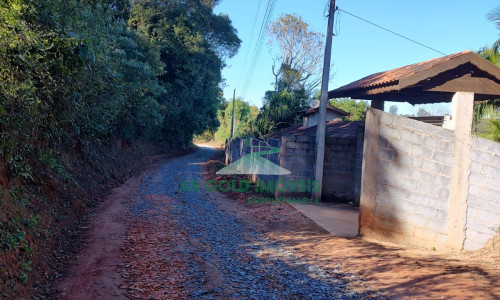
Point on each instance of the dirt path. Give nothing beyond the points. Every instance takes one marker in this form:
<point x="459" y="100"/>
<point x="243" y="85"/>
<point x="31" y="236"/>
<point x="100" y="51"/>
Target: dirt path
<point x="95" y="273"/>
<point x="173" y="243"/>
<point x="153" y="239"/>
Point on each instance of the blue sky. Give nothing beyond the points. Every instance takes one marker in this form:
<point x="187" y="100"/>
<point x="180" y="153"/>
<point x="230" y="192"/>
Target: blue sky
<point x="361" y="49"/>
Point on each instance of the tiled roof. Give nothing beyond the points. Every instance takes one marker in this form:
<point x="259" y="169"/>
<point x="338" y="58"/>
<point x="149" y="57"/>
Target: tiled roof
<point x="431" y="81"/>
<point x="393" y="76"/>
<point x="278" y="134"/>
<point x="329" y="107"/>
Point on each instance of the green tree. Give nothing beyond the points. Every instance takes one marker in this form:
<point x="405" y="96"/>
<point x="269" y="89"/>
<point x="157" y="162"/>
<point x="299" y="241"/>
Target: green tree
<point x="356" y="108"/>
<point x="72" y="75"/>
<point x="280" y="109"/>
<point x="301" y="53"/>
<point x="194" y="43"/>
<point x="244" y="120"/>
<point x="489" y="108"/>
<point x="492" y="132"/>
<point x="492" y="53"/>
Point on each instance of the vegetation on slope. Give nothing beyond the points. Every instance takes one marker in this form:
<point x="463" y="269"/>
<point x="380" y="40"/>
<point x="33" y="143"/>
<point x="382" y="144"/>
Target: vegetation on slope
<point x="76" y="76"/>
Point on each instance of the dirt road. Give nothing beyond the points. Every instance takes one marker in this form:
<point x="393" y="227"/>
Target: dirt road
<point x="167" y="243"/>
<point x="154" y="239"/>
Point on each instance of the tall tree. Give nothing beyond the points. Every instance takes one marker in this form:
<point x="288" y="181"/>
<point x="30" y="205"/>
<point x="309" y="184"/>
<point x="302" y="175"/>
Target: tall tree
<point x="280" y="108"/>
<point x="301" y="52"/>
<point x="194" y="44"/>
<point x="244" y="116"/>
<point x="356" y="108"/>
<point x="494" y="16"/>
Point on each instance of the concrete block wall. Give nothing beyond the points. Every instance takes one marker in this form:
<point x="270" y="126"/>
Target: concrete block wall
<point x="342" y="170"/>
<point x="240" y="147"/>
<point x="414" y="162"/>
<point x="234" y="150"/>
<point x="297" y="155"/>
<point x="259" y="145"/>
<point x="360" y="136"/>
<point x="483" y="199"/>
<point x="339" y="168"/>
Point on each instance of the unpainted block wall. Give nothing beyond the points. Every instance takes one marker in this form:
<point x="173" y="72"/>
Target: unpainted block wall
<point x="413" y="178"/>
<point x="297" y="156"/>
<point x="360" y="136"/>
<point x="342" y="169"/>
<point x="239" y="148"/>
<point x="483" y="201"/>
<point x="339" y="168"/>
<point x="257" y="146"/>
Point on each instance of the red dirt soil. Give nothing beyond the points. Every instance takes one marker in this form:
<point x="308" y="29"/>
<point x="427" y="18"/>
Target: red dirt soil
<point x="392" y="270"/>
<point x="103" y="269"/>
<point x="95" y="273"/>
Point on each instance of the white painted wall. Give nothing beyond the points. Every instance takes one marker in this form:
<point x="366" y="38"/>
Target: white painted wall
<point x="312" y="119"/>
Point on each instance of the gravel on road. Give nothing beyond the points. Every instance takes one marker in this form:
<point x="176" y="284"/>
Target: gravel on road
<point x="184" y="245"/>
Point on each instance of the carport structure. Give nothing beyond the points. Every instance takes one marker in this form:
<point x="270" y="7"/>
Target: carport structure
<point x="417" y="185"/>
<point x="431" y="81"/>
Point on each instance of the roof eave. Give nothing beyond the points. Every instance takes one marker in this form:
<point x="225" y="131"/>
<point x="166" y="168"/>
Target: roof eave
<point x="399" y="90"/>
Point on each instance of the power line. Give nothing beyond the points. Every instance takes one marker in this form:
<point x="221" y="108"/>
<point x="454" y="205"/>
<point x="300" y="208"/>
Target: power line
<point x="251" y="40"/>
<point x="388" y="30"/>
<point x="258" y="46"/>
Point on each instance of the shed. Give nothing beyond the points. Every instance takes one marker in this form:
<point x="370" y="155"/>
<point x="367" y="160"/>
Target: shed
<point x="421" y="184"/>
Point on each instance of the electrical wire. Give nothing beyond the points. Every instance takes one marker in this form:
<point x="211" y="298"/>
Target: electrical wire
<point x="336" y="27"/>
<point x="258" y="46"/>
<point x="251" y="40"/>
<point x="388" y="30"/>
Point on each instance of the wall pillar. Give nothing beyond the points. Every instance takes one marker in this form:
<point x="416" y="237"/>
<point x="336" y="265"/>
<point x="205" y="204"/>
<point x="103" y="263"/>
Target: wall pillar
<point x="378" y="104"/>
<point x="461" y="124"/>
<point x="369" y="171"/>
<point x="358" y="165"/>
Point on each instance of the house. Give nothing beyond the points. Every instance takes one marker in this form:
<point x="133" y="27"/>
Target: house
<point x="310" y="119"/>
<point x="423" y="182"/>
<point x="311" y="116"/>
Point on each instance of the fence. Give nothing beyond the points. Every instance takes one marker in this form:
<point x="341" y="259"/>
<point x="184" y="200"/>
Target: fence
<point x="342" y="169"/>
<point x="412" y="174"/>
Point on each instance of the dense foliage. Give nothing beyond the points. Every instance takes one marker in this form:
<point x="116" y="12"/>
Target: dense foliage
<point x="244" y="120"/>
<point x="76" y="72"/>
<point x="280" y="108"/>
<point x="194" y="43"/>
<point x="491" y="108"/>
<point x="356" y="108"/>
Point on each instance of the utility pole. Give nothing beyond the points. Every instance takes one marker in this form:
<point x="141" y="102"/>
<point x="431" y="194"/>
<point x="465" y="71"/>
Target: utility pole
<point x="320" y="133"/>
<point x="232" y="116"/>
<point x="228" y="146"/>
